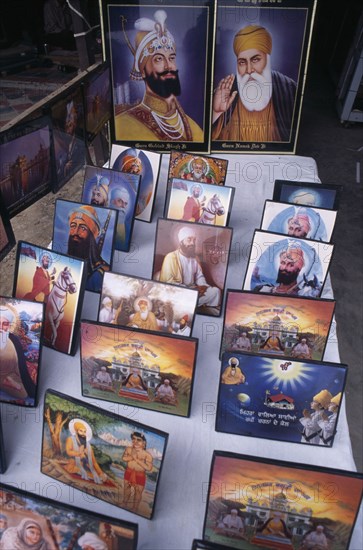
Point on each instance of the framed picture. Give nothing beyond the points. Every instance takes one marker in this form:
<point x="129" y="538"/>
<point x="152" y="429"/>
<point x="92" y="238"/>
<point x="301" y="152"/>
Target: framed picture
<point x="7" y="237"/>
<point x="108" y="470"/>
<point x="58" y="525"/>
<point x="199" y="202"/>
<point x="258" y="87"/>
<point x="149" y="305"/>
<point x="319" y="195"/>
<point x="298" y="221"/>
<point x="284" y="326"/>
<point x="161" y="89"/>
<point x="261" y="503"/>
<point x="25" y="164"/>
<point x="296" y="400"/>
<point x="202" y="545"/>
<point x="202" y="168"/>
<point x="58" y="281"/>
<point x="142" y="369"/>
<point x="87" y="233"/>
<point x="97" y="100"/>
<point x="22" y="324"/>
<point x="67" y="115"/>
<point x="195" y="256"/>
<point x="287" y="265"/>
<point x="108" y="188"/>
<point x="2" y="452"/>
<point x="143" y="163"/>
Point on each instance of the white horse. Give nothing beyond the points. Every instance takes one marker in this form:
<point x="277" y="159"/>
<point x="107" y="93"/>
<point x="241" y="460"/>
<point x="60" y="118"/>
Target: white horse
<point x="213" y="209"/>
<point x="57" y="300"/>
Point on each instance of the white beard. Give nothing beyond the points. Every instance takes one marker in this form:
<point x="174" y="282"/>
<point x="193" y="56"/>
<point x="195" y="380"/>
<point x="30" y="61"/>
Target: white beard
<point x="255" y="90"/>
<point x="144" y="314"/>
<point x="4" y="337"/>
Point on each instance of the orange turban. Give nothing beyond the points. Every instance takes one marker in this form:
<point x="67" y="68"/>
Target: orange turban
<point x="252" y="37"/>
<point x="88" y="216"/>
<point x="79" y="426"/>
<point x="295" y="255"/>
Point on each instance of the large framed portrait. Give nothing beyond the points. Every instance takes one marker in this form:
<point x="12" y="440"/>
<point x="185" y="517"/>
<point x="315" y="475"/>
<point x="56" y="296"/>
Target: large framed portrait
<point x="280" y="264"/>
<point x="58" y="281"/>
<point x="261" y="57"/>
<point x="22" y="325"/>
<point x="87" y="233"/>
<point x="255" y="503"/>
<point x="145" y="164"/>
<point x="193" y="255"/>
<point x="7" y="237"/>
<point x="150" y="305"/>
<point x="322" y="195"/>
<point x="27" y="517"/>
<point x="138" y="368"/>
<point x="97" y="100"/>
<point x="25" y="164"/>
<point x="285" y="400"/>
<point x="121" y="461"/>
<point x="120" y="191"/>
<point x="284" y="326"/>
<point x="160" y="87"/>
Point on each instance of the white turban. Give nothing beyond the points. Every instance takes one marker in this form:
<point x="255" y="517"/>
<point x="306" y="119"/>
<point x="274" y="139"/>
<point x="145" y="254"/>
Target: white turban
<point x="92" y="540"/>
<point x="120" y="193"/>
<point x="6" y="313"/>
<point x="185" y="232"/>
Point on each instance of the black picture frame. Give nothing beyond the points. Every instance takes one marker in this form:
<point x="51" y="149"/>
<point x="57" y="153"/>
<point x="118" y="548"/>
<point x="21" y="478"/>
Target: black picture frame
<point x="7" y="237"/>
<point x="322" y="195"/>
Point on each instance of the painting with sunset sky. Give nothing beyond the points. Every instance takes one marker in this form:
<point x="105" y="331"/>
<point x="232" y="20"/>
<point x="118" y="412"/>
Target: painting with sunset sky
<point x="283" y="326"/>
<point x="279" y="505"/>
<point x="138" y="368"/>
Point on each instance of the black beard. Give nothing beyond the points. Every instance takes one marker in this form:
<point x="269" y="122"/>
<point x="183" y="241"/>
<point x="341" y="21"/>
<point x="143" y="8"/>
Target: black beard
<point x="286" y="278"/>
<point x="188" y="251"/>
<point x="79" y="249"/>
<point x="82" y="440"/>
<point x="164" y="88"/>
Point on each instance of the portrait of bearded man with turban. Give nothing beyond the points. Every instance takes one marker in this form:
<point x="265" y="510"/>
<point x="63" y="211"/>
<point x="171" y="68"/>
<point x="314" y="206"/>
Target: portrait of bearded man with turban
<point x="256" y="104"/>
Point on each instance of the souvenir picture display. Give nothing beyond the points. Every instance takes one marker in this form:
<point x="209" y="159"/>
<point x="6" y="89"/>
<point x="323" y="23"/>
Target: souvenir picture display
<point x="149" y="305"/>
<point x="318" y="195"/>
<point x="104" y="187"/>
<point x="30" y="520"/>
<point x="97" y="100"/>
<point x="295" y="400"/>
<point x="161" y="89"/>
<point x="7" y="237"/>
<point x="58" y="281"/>
<point x="199" y="202"/>
<point x="68" y="136"/>
<point x="87" y="233"/>
<point x="142" y="163"/>
<point x="260" y="61"/>
<point x="284" y="326"/>
<point x="202" y="168"/>
<point x="261" y="503"/>
<point x="298" y="221"/>
<point x="138" y="368"/>
<point x="287" y="265"/>
<point x="21" y="346"/>
<point x="122" y="459"/>
<point x="25" y="164"/>
<point x="194" y="256"/>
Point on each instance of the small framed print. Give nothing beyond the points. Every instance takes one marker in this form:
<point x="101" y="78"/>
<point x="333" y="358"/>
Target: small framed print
<point x="58" y="281"/>
<point x="286" y="400"/>
<point x="108" y="469"/>
<point x="108" y="188"/>
<point x="202" y="168"/>
<point x="58" y="525"/>
<point x="22" y="324"/>
<point x="258" y="90"/>
<point x="87" y="233"/>
<point x="142" y="369"/>
<point x="67" y="115"/>
<point x="161" y="89"/>
<point x="255" y="503"/>
<point x="193" y="255"/>
<point x="97" y="100"/>
<point x="25" y="164"/>
<point x="145" y="164"/>
<point x="149" y="305"/>
<point x="199" y="202"/>
<point x="298" y="221"/>
<point x="2" y="451"/>
<point x="319" y="195"/>
<point x="7" y="237"/>
<point x="283" y="326"/>
<point x="287" y="265"/>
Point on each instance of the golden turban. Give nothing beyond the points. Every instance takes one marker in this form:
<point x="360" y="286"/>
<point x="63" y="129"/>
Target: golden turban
<point x="79" y="426"/>
<point x="252" y="37"/>
<point x="323" y="398"/>
<point x="88" y="216"/>
<point x="336" y="399"/>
